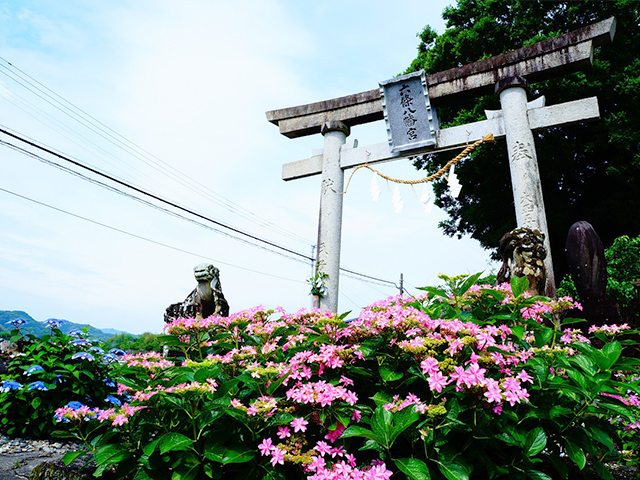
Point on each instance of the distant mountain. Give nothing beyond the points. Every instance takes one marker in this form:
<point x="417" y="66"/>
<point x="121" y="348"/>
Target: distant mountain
<point x="39" y="328"/>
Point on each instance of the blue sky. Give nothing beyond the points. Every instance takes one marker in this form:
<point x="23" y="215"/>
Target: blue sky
<point x="188" y="84"/>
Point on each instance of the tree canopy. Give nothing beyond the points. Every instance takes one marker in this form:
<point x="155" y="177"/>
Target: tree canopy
<point x="588" y="171"/>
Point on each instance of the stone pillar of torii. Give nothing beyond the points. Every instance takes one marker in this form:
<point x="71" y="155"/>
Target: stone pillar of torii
<point x="507" y="75"/>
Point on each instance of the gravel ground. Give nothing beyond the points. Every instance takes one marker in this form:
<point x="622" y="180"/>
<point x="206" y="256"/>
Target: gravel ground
<point x="19" y="456"/>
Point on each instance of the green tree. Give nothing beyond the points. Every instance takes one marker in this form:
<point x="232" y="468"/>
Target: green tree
<point x="588" y="171"/>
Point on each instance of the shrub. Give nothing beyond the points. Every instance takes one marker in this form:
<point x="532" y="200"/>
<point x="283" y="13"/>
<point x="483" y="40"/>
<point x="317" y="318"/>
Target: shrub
<point x="463" y="382"/>
<point x="49" y="371"/>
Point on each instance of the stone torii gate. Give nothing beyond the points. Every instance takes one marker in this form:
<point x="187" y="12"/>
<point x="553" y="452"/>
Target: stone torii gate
<point x="507" y="75"/>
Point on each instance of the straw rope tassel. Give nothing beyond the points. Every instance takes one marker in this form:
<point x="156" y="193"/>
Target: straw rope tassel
<point x="487" y="138"/>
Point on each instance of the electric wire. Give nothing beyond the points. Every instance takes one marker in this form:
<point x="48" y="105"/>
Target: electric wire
<point x="144" y="202"/>
<point x="148" y="194"/>
<point x="91" y="123"/>
<point x="140" y="237"/>
<point x="358" y="276"/>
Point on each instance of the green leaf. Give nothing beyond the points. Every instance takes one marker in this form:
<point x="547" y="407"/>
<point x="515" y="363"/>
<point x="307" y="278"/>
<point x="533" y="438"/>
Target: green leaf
<point x="601" y="437"/>
<point x="142" y="474"/>
<point x="356" y="431"/>
<point x="612" y="351"/>
<point x="204" y="374"/>
<point x="404" y="419"/>
<point x="558" y="411"/>
<point x="543" y="335"/>
<point x="413" y="468"/>
<point x="519" y="285"/>
<point x="585" y="363"/>
<point x="237" y="454"/>
<point x="71" y="456"/>
<point x="535" y="442"/>
<point x="468" y="283"/>
<point x="569" y="321"/>
<point x="35" y="403"/>
<point x="389" y="375"/>
<point x="453" y="470"/>
<point x="518" y="331"/>
<point x="381" y="422"/>
<point x="149" y="448"/>
<point x="110" y="455"/>
<point x="187" y="473"/>
<point x="575" y="453"/>
<point x="537" y="475"/>
<point x="174" y="441"/>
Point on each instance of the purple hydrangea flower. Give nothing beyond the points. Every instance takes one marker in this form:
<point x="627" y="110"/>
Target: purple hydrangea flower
<point x="76" y="333"/>
<point x="108" y="358"/>
<point x="10" y="385"/>
<point x="113" y="400"/>
<point x="80" y="342"/>
<point x="82" y="356"/>
<point x="33" y="369"/>
<point x="38" y="386"/>
<point x="53" y="323"/>
<point x="16" y="322"/>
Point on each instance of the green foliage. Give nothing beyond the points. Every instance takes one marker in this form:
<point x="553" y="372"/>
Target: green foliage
<point x="147" y="342"/>
<point x="588" y="171"/>
<point x="623" y="268"/>
<point x="317" y="281"/>
<point x="28" y="410"/>
<point x="465" y="382"/>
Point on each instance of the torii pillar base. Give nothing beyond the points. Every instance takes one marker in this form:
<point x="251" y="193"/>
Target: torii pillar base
<point x="330" y="226"/>
<point x="523" y="163"/>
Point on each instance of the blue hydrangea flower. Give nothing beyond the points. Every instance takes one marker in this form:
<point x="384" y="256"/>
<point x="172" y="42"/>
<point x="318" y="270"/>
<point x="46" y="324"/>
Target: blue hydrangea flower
<point x="76" y="333"/>
<point x="96" y="350"/>
<point x="75" y="405"/>
<point x="10" y="385"/>
<point x="38" y="386"/>
<point x="16" y="322"/>
<point x="113" y="400"/>
<point x="116" y="351"/>
<point x="108" y="358"/>
<point x="33" y="369"/>
<point x="82" y="356"/>
<point x="60" y="379"/>
<point x="80" y="342"/>
<point x="110" y="383"/>
<point x="53" y="323"/>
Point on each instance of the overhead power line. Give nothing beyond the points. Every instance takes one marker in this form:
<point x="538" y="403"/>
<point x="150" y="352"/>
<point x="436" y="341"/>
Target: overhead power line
<point x="146" y="239"/>
<point x="99" y="128"/>
<point x="151" y="195"/>
<point x="359" y="276"/>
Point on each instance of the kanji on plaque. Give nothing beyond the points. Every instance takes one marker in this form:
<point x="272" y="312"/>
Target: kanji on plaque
<point x="411" y="122"/>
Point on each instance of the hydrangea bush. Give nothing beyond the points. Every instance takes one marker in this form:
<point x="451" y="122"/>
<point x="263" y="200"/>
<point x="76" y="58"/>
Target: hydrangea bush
<point x="465" y="381"/>
<point x="50" y="371"/>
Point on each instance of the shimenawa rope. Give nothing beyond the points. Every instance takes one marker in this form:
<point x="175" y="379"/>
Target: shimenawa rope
<point x="438" y="174"/>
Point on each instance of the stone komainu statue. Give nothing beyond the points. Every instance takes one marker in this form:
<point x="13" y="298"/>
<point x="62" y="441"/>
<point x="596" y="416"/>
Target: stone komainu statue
<point x="523" y="255"/>
<point x="206" y="299"/>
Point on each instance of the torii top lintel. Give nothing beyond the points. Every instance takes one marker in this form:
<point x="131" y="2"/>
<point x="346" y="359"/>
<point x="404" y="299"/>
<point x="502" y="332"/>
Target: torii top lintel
<point x="543" y="60"/>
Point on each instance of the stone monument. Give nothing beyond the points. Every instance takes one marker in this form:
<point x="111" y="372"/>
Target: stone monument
<point x="205" y="300"/>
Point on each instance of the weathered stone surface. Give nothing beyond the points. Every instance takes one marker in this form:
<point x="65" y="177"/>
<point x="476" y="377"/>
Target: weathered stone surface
<point x="560" y="55"/>
<point x="53" y="471"/>
<point x="205" y="300"/>
<point x="587" y="264"/>
<point x="584" y="110"/>
<point x="523" y="253"/>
